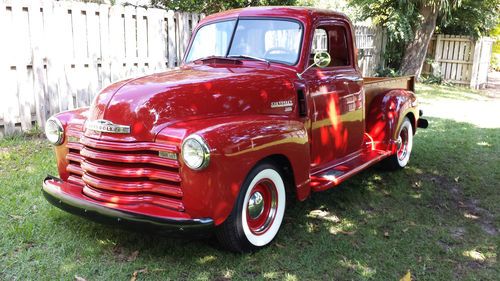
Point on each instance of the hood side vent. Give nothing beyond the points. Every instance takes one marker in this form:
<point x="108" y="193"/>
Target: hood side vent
<point x="302" y="103"/>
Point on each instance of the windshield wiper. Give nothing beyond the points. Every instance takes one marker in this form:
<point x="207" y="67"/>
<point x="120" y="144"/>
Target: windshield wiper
<point x="249" y="57"/>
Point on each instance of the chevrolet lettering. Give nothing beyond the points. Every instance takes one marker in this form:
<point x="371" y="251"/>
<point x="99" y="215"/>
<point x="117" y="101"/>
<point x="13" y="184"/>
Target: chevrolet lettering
<point x="276" y="104"/>
<point x="107" y="127"/>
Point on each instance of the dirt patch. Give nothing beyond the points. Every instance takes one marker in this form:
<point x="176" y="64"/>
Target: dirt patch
<point x="483" y="216"/>
<point x="121" y="254"/>
<point x="452" y="198"/>
<point x="457" y="232"/>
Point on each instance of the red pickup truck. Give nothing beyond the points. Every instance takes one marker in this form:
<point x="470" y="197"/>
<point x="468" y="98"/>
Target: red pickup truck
<point x="267" y="106"/>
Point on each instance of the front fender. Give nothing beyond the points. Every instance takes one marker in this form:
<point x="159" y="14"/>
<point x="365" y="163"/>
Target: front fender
<point x="237" y="144"/>
<point x="386" y="114"/>
<point x="73" y="122"/>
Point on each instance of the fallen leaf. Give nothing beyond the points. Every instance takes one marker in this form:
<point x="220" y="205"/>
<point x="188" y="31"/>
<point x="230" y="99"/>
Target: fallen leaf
<point x="133" y="256"/>
<point x="336" y="230"/>
<point x="279" y="245"/>
<point x="304" y="243"/>
<point x="16" y="217"/>
<point x="78" y="278"/>
<point x="475" y="255"/>
<point x="136" y="273"/>
<point x="471" y="216"/>
<point x="407" y="277"/>
<point x="405" y="230"/>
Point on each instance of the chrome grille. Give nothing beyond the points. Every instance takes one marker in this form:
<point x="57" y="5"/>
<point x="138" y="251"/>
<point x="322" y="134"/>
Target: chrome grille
<point x="125" y="173"/>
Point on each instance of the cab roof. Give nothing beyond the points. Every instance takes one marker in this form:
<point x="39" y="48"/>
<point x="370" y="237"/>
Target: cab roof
<point x="305" y="14"/>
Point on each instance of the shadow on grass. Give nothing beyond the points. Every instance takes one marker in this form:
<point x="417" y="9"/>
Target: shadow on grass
<point x="376" y="225"/>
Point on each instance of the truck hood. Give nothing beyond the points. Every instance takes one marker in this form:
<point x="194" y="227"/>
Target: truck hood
<point x="150" y="103"/>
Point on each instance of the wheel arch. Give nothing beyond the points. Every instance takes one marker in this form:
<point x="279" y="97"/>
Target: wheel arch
<point x="283" y="163"/>
<point x="386" y="113"/>
<point x="413" y="121"/>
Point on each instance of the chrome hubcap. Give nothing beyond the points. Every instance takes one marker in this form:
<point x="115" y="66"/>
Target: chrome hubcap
<point x="256" y="205"/>
<point x="261" y="206"/>
<point x="403" y="144"/>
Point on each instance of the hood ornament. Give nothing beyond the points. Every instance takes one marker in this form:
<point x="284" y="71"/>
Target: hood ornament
<point x="106" y="126"/>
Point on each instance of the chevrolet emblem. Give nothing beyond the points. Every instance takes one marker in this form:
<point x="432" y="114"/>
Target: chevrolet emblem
<point x="106" y="126"/>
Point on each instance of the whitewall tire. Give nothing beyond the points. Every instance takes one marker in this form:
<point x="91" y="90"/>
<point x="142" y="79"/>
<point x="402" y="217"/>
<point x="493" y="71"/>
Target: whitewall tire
<point x="258" y="212"/>
<point x="404" y="147"/>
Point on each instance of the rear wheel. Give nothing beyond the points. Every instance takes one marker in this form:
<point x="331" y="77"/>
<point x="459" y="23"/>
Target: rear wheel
<point x="404" y="146"/>
<point x="258" y="212"/>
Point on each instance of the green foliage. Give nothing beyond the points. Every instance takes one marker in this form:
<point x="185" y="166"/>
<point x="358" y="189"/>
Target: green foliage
<point x="337" y="5"/>
<point x="473" y="17"/>
<point x="214" y="6"/>
<point x="433" y="79"/>
<point x="495" y="58"/>
<point x="386" y="72"/>
<point x="398" y="17"/>
<point x="401" y="18"/>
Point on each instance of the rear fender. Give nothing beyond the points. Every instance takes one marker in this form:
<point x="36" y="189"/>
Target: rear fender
<point x="386" y="114"/>
<point x="237" y="144"/>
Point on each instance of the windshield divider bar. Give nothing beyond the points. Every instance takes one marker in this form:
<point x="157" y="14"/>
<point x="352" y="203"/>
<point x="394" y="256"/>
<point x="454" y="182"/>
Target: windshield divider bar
<point x="232" y="37"/>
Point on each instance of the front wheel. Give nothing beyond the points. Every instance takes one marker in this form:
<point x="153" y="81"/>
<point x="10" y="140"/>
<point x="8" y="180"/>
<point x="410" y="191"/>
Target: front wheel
<point x="258" y="212"/>
<point x="404" y="146"/>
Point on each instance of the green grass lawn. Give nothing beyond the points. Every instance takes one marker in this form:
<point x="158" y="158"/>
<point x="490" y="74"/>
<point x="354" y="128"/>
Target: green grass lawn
<point x="438" y="218"/>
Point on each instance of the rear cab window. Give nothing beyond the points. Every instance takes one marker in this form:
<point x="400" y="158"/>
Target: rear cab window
<point x="334" y="40"/>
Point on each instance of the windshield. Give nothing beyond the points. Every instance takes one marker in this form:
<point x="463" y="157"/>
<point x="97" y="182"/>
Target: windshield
<point x="269" y="39"/>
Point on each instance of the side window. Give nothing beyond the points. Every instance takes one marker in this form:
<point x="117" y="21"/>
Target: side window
<point x="333" y="39"/>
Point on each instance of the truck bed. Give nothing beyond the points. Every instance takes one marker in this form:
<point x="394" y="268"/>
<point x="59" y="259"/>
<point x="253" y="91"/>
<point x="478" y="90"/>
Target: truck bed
<point x="376" y="85"/>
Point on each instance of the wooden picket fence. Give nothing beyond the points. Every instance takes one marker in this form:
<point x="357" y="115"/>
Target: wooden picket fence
<point x="56" y="55"/>
<point x="459" y="59"/>
<point x="370" y="41"/>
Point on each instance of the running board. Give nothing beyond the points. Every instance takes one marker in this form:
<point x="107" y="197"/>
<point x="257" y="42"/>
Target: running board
<point x="333" y="176"/>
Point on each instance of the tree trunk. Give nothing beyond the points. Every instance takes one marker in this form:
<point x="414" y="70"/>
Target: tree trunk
<point x="415" y="52"/>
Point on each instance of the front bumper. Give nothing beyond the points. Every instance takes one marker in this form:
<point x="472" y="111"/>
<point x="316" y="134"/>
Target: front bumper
<point x="68" y="198"/>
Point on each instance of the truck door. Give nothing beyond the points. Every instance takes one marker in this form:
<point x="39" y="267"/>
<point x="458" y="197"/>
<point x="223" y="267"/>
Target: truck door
<point x="336" y="92"/>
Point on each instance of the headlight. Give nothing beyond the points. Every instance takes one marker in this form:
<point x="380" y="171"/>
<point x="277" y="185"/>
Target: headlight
<point x="54" y="131"/>
<point x="195" y="152"/>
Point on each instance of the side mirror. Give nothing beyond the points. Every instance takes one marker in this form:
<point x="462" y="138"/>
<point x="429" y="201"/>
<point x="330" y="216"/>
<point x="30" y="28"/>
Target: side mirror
<point x="321" y="59"/>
